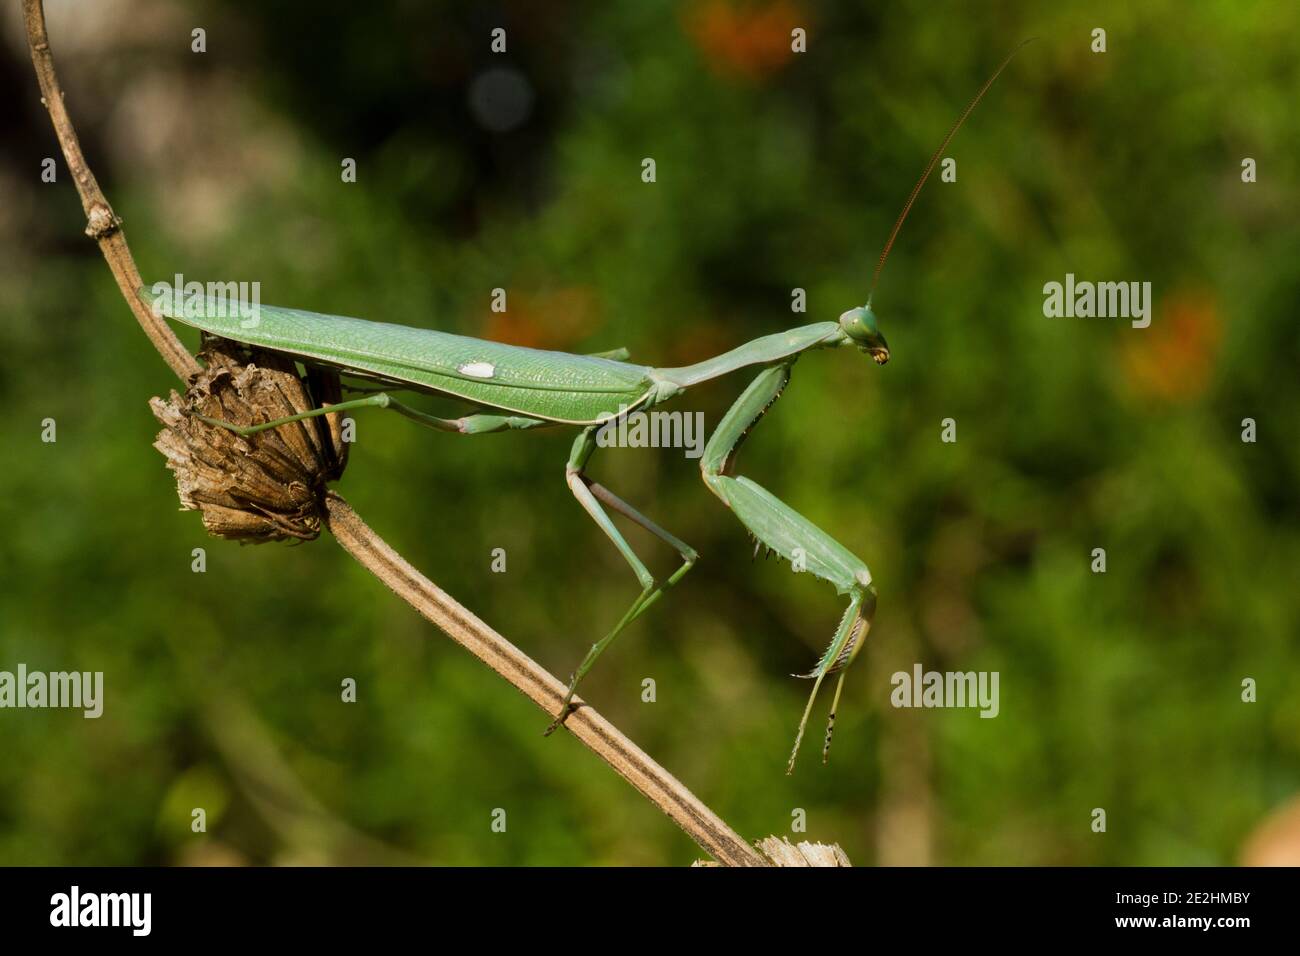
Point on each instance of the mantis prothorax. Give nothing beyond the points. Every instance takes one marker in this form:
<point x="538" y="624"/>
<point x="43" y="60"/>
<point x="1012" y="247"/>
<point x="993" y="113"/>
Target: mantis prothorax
<point x="516" y="388"/>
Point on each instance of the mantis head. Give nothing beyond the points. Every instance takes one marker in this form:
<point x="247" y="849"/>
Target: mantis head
<point x="860" y="326"/>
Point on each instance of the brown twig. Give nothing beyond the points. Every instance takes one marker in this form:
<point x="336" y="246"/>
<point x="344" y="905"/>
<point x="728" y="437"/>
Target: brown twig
<point x="603" y="738"/>
<point x="102" y="224"/>
<point x="434" y="604"/>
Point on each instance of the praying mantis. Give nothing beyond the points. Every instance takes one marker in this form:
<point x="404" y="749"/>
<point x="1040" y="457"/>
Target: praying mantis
<point x="513" y="388"/>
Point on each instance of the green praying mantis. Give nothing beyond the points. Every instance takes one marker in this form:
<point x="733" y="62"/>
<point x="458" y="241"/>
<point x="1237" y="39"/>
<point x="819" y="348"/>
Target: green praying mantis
<point x="513" y="388"/>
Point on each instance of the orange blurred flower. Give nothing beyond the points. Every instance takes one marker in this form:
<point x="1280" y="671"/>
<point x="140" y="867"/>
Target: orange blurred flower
<point x="749" y="40"/>
<point x="1173" y="359"/>
<point x="553" y="319"/>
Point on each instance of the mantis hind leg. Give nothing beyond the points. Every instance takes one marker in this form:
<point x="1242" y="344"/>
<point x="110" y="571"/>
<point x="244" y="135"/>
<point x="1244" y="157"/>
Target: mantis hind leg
<point x="782" y="530"/>
<point x="619" y="354"/>
<point x="592" y="496"/>
<point x="467" y="425"/>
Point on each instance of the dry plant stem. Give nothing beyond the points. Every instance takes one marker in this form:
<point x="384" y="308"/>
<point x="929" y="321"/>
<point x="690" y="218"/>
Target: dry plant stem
<point x="102" y="224"/>
<point x="652" y="780"/>
<point x="602" y="737"/>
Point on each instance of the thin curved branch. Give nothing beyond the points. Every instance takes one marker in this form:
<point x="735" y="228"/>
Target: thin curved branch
<point x="356" y="537"/>
<point x="533" y="681"/>
<point x="102" y="224"/>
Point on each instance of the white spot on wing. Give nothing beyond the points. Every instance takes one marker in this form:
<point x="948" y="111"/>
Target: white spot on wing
<point x="477" y="369"/>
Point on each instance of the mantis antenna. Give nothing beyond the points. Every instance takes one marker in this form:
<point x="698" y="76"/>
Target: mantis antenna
<point x="907" y="206"/>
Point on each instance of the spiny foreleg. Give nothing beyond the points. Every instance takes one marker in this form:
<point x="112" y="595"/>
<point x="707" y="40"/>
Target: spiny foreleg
<point x="783" y="531"/>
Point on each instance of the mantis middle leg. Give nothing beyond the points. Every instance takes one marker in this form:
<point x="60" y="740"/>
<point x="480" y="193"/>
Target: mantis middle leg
<point x="592" y="496"/>
<point x="781" y="529"/>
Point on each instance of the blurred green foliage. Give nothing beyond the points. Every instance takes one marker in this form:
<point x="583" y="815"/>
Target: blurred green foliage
<point x="774" y="171"/>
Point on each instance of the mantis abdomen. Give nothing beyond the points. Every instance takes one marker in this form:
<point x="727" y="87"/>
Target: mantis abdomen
<point x="550" y="386"/>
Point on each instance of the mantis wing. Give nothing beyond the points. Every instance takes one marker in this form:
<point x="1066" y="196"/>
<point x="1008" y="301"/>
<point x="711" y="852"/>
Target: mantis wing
<point x="554" y="386"/>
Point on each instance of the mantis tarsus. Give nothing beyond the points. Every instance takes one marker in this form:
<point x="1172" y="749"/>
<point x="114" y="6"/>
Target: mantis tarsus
<point x="519" y="388"/>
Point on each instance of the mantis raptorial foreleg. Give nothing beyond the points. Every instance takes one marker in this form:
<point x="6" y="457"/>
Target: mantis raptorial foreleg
<point x="467" y="425"/>
<point x="591" y="496"/>
<point x="778" y="527"/>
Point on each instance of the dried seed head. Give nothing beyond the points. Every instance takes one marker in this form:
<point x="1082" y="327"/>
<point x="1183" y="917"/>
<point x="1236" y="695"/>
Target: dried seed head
<point x="779" y="851"/>
<point x="269" y="486"/>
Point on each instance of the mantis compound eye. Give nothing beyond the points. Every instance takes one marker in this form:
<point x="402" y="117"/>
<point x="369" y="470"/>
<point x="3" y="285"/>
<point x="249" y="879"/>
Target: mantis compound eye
<point x="860" y="325"/>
